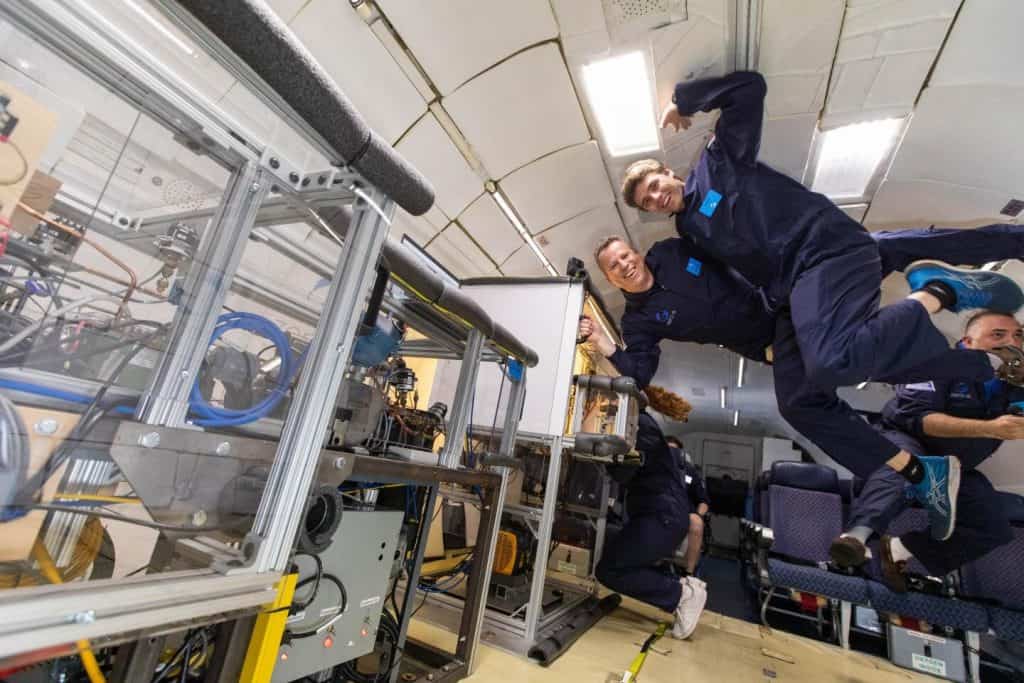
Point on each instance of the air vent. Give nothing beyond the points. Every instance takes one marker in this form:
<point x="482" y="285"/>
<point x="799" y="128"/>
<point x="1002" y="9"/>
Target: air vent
<point x="1013" y="208"/>
<point x="628" y="19"/>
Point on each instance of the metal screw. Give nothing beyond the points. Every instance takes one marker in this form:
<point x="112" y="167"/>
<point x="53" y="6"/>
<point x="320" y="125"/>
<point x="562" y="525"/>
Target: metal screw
<point x="149" y="440"/>
<point x="223" y="448"/>
<point x="339" y="463"/>
<point x="274" y="163"/>
<point x="254" y="188"/>
<point x="321" y="180"/>
<point x="47" y="426"/>
<point x="293" y="176"/>
<point x="199" y="518"/>
<point x="84" y="617"/>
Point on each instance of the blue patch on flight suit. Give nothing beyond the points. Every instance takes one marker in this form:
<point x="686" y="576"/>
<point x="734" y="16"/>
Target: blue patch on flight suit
<point x="710" y="203"/>
<point x="693" y="267"/>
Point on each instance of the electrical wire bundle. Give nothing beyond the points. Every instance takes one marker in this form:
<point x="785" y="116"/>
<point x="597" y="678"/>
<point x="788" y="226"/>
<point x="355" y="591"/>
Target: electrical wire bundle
<point x="300" y="605"/>
<point x="387" y="633"/>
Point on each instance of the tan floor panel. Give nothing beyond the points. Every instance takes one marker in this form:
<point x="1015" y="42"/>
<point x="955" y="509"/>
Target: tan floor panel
<point x="721" y="650"/>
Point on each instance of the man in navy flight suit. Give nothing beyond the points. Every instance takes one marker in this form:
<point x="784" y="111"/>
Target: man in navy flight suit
<point x="658" y="510"/>
<point x="817" y="264"/>
<point x="681" y="293"/>
<point x="959" y="416"/>
<point x="700" y="504"/>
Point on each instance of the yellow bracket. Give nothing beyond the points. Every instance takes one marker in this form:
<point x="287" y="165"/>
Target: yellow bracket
<point x="261" y="657"/>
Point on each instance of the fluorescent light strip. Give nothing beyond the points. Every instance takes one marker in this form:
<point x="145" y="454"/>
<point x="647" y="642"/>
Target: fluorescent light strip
<point x="517" y="223"/>
<point x="739" y="373"/>
<point x="721" y="395"/>
<point x="736" y="418"/>
<point x="167" y="33"/>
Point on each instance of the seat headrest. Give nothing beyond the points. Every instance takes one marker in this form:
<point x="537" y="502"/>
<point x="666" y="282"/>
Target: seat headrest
<point x="804" y="475"/>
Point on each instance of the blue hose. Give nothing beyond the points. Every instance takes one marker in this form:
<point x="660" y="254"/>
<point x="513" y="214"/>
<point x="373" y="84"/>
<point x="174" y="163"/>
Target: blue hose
<point x="208" y="415"/>
<point x="59" y="394"/>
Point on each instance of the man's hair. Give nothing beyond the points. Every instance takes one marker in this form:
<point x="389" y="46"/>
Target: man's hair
<point x="981" y="315"/>
<point x="604" y="244"/>
<point x="637" y="171"/>
<point x="673" y="441"/>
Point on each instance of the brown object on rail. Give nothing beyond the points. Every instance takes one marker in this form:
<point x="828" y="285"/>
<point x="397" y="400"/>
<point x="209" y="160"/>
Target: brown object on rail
<point x="668" y="403"/>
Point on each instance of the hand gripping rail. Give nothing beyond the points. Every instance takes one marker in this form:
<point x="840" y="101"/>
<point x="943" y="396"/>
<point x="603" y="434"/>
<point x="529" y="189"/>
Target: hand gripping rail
<point x="251" y="30"/>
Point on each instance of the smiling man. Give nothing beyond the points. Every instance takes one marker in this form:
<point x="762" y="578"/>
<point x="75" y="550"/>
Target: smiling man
<point x="680" y="292"/>
<point x="818" y="267"/>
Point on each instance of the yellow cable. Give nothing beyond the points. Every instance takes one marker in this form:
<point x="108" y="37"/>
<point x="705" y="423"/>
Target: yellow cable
<point x="92" y="667"/>
<point x="99" y="499"/>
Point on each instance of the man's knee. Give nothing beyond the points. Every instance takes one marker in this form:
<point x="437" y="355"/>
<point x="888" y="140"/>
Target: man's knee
<point x="832" y="369"/>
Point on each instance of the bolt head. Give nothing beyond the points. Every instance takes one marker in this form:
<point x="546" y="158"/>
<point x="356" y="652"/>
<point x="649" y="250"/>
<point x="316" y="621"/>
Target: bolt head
<point x="149" y="440"/>
<point x="47" y="426"/>
<point x="199" y="518"/>
<point x="84" y="617"/>
<point x="223" y="448"/>
<point x="339" y="463"/>
<point x="274" y="163"/>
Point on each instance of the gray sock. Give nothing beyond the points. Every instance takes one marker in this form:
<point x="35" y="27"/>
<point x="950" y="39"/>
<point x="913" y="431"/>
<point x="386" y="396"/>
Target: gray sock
<point x="861" y="533"/>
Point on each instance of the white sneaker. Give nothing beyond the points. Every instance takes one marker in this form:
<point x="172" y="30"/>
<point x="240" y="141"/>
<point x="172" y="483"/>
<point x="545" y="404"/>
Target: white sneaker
<point x="690" y="607"/>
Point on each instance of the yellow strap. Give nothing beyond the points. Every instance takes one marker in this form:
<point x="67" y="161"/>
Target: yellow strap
<point x="638" y="662"/>
<point x="261" y="657"/>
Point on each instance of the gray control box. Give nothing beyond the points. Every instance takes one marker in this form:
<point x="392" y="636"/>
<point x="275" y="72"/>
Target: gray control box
<point x="361" y="557"/>
<point x="935" y="655"/>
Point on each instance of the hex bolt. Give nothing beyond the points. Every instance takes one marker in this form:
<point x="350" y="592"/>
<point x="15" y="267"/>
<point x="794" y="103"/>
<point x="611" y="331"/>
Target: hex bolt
<point x="149" y="440"/>
<point x="199" y="518"/>
<point x="305" y="182"/>
<point x="293" y="176"/>
<point x="339" y="463"/>
<point x="47" y="426"/>
<point x="274" y="163"/>
<point x="254" y="188"/>
<point x="223" y="448"/>
<point x="321" y="180"/>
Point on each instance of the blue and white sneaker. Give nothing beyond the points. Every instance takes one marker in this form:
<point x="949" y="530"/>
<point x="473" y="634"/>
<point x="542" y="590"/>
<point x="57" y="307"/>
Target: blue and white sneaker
<point x="972" y="288"/>
<point x="938" y="491"/>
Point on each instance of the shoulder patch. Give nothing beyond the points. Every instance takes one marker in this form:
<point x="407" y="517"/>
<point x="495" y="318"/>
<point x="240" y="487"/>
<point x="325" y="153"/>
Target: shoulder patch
<point x="710" y="203"/>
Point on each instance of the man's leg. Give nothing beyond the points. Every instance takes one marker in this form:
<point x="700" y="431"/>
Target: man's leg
<point x="983" y="527"/>
<point x="627" y="562"/>
<point x="695" y="540"/>
<point x="971" y="247"/>
<point x="844" y="338"/>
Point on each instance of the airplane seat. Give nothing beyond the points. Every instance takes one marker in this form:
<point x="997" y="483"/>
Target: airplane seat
<point x="805" y="515"/>
<point x="995" y="580"/>
<point x="945" y="610"/>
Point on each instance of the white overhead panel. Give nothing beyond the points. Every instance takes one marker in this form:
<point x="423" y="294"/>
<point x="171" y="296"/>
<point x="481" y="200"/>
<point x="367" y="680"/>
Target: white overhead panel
<point x="915" y="203"/>
<point x="984" y="47"/>
<point x="578" y="237"/>
<point x="581" y="26"/>
<point x="796" y="46"/>
<point x="456" y="252"/>
<point x="519" y="111"/>
<point x="490" y="228"/>
<point x="419" y="228"/>
<point x="559" y="186"/>
<point x="691" y="49"/>
<point x="786" y="142"/>
<point x="427" y="147"/>
<point x="454" y="40"/>
<point x="524" y="263"/>
<point x="360" y="65"/>
<point x="286" y="9"/>
<point x="630" y="19"/>
<point x="885" y="52"/>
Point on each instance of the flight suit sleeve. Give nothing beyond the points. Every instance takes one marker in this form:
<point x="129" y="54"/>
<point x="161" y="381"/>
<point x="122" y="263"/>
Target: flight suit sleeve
<point x="912" y="403"/>
<point x="696" y="488"/>
<point x="640" y="358"/>
<point x="740" y="97"/>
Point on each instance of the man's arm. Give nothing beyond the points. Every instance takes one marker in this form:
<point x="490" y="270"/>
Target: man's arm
<point x="1005" y="427"/>
<point x="740" y="97"/>
<point x="640" y="358"/>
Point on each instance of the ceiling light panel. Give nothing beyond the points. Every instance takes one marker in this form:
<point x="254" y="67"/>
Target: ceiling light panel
<point x="360" y="65"/>
<point x="848" y="157"/>
<point x="460" y="255"/>
<point x="427" y="147"/>
<point x="454" y="40"/>
<point x="559" y="186"/>
<point x="487" y="224"/>
<point x="519" y="111"/>
<point x="619" y="92"/>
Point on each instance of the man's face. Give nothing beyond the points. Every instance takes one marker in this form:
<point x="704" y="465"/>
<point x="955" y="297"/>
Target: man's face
<point x="659" y="193"/>
<point x="993" y="331"/>
<point x="625" y="268"/>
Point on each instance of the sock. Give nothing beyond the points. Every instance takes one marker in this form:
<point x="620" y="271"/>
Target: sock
<point x="899" y="551"/>
<point x="913" y="471"/>
<point x="861" y="533"/>
<point x="941" y="291"/>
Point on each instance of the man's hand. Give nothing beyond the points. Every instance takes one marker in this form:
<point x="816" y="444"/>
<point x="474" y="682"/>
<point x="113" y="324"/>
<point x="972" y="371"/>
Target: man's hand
<point x="592" y="332"/>
<point x="672" y="117"/>
<point x="1007" y="427"/>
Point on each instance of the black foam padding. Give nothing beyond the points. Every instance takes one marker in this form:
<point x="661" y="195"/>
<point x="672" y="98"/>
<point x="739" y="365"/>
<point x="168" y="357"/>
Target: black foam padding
<point x="510" y="343"/>
<point x="804" y="475"/>
<point x="588" y="613"/>
<point x="252" y="30"/>
<point x="461" y="305"/>
<point x="406" y="268"/>
<point x="600" y="445"/>
<point x="620" y="385"/>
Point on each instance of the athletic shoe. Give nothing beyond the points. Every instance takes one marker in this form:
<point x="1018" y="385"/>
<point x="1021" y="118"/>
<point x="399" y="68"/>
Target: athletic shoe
<point x="937" y="491"/>
<point x="971" y="288"/>
<point x="690" y="607"/>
